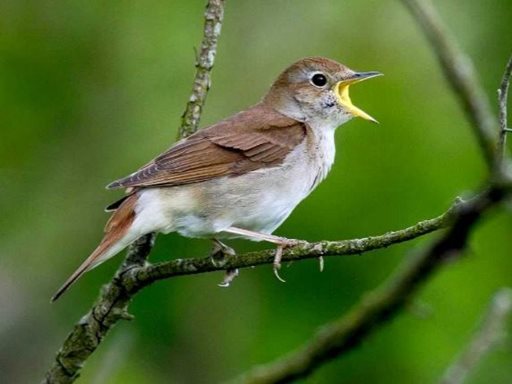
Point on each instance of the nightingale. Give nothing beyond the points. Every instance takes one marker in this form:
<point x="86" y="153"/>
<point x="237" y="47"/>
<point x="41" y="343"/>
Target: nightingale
<point x="243" y="176"/>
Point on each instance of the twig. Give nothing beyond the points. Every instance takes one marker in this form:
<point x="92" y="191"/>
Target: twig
<point x="460" y="74"/>
<point x="380" y="305"/>
<point x="490" y="333"/>
<point x="112" y="304"/>
<point x="137" y="278"/>
<point x="213" y="17"/>
<point x="89" y="332"/>
<point x="502" y="103"/>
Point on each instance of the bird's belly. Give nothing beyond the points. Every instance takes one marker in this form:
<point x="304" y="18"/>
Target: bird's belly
<point x="266" y="210"/>
<point x="259" y="201"/>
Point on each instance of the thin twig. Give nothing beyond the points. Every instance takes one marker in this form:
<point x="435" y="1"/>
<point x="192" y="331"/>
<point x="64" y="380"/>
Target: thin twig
<point x="111" y="306"/>
<point x="213" y="17"/>
<point x="381" y="305"/>
<point x="502" y="103"/>
<point x="490" y="333"/>
<point x="460" y="74"/>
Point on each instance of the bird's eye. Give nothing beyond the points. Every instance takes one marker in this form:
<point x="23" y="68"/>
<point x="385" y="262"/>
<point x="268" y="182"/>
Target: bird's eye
<point x="319" y="79"/>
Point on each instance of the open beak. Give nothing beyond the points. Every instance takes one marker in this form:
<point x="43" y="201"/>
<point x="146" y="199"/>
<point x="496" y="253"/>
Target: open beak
<point x="341" y="91"/>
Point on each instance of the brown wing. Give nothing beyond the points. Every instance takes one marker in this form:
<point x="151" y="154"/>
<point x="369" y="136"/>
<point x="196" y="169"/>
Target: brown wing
<point x="256" y="138"/>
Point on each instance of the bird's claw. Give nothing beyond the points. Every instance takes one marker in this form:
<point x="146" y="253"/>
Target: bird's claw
<point x="277" y="262"/>
<point x="285" y="243"/>
<point x="220" y="253"/>
<point x="230" y="275"/>
<point x="219" y="256"/>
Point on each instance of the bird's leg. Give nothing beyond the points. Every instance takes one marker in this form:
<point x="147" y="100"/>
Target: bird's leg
<point x="229" y="276"/>
<point x="281" y="242"/>
<point x="220" y="253"/>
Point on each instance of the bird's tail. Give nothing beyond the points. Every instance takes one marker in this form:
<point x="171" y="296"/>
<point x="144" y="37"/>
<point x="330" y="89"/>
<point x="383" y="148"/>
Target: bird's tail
<point x="117" y="237"/>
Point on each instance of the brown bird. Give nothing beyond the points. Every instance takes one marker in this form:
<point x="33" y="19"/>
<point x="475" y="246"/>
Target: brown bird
<point x="243" y="176"/>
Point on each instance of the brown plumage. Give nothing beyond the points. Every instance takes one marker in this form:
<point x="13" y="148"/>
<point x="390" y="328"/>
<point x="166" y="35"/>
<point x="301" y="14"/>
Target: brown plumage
<point x="256" y="138"/>
<point x="115" y="229"/>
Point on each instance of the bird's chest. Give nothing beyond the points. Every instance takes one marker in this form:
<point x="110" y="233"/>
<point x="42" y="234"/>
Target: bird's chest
<point x="286" y="186"/>
<point x="321" y="156"/>
<point x="306" y="166"/>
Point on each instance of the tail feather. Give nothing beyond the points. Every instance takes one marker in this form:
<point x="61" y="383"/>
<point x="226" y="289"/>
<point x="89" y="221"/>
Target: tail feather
<point x="116" y="238"/>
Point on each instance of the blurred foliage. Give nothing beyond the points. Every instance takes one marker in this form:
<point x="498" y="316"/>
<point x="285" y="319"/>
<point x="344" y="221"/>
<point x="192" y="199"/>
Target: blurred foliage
<point x="90" y="90"/>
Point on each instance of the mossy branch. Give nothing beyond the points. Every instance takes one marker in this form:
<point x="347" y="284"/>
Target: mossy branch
<point x="136" y="273"/>
<point x="137" y="278"/>
<point x="503" y="119"/>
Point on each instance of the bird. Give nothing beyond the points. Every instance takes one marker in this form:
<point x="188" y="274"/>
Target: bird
<point x="243" y="176"/>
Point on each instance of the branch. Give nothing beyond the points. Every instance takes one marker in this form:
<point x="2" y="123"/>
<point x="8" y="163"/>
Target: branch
<point x="204" y="64"/>
<point x="137" y="278"/>
<point x="90" y="330"/>
<point x="502" y="103"/>
<point x="490" y="333"/>
<point x="460" y="74"/>
<point x="136" y="273"/>
<point x="381" y="305"/>
<point x="112" y="304"/>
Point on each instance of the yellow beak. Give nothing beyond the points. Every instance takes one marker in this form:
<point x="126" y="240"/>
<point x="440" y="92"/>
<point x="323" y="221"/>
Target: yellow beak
<point x="341" y="91"/>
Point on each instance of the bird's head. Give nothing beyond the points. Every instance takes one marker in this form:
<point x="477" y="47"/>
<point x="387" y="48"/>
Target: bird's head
<point x="316" y="90"/>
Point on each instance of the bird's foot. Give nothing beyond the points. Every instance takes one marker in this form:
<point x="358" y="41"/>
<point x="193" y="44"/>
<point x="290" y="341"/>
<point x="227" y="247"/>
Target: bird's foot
<point x="229" y="276"/>
<point x="282" y="244"/>
<point x="219" y="256"/>
<point x="221" y="253"/>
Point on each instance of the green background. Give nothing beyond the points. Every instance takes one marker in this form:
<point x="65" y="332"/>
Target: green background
<point x="90" y="90"/>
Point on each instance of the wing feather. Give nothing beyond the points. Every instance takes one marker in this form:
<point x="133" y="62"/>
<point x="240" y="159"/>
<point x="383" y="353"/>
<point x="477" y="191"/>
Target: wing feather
<point x="256" y="138"/>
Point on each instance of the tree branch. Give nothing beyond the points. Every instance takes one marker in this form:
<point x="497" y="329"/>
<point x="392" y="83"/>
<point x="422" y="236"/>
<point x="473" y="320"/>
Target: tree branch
<point x="381" y="305"/>
<point x="90" y="330"/>
<point x="460" y="74"/>
<point x="502" y="103"/>
<point x="489" y="334"/>
<point x="213" y="16"/>
<point x="112" y="304"/>
<point x="136" y="273"/>
<point x="137" y="278"/>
